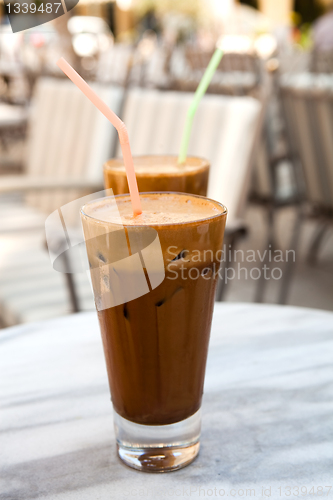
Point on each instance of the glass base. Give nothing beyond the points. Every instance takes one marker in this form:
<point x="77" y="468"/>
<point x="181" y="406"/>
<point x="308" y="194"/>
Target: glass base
<point x="158" y="448"/>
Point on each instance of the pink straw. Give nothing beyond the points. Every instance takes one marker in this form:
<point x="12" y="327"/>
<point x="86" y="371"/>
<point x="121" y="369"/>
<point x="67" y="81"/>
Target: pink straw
<point x="116" y="122"/>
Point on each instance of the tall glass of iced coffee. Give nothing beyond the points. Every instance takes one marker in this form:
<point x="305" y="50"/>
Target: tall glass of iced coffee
<point x="154" y="278"/>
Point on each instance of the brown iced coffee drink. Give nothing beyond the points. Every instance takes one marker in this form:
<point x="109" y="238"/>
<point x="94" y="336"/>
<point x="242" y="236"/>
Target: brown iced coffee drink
<point x="156" y="344"/>
<point x="159" y="173"/>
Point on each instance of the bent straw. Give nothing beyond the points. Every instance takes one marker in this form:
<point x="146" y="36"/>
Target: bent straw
<point x="116" y="122"/>
<point x="201" y="90"/>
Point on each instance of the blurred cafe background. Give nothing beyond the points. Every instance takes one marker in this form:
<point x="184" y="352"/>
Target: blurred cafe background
<point x="266" y="125"/>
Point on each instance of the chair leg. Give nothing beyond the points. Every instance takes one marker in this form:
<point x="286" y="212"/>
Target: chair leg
<point x="71" y="285"/>
<point x="290" y="265"/>
<point x="73" y="297"/>
<point x="219" y="290"/>
<point x="221" y="284"/>
<point x="259" y="297"/>
<point x="316" y="242"/>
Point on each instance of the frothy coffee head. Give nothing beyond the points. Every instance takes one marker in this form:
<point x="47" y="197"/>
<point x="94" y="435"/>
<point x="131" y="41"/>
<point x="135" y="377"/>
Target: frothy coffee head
<point x="157" y="209"/>
<point x="158" y="166"/>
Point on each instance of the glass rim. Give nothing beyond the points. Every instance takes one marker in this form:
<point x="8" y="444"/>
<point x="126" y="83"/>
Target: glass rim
<point x="223" y="213"/>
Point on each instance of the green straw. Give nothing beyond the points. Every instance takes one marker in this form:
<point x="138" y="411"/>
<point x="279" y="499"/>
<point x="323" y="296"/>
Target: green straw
<point x="200" y="92"/>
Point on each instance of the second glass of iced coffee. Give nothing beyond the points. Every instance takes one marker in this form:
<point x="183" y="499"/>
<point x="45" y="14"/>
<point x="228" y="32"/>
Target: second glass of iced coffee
<point x="156" y="173"/>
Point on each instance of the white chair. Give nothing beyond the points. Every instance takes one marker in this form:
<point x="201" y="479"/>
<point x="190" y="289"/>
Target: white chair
<point x="13" y="124"/>
<point x="115" y="64"/>
<point x="308" y="105"/>
<point x="226" y="130"/>
<point x="237" y="74"/>
<point x="156" y="72"/>
<point x="69" y="140"/>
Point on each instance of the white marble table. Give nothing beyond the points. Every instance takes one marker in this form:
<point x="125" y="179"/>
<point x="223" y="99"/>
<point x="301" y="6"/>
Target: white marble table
<point x="267" y="412"/>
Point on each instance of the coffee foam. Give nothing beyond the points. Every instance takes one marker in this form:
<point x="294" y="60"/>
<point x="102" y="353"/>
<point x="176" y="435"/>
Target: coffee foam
<point x="158" y="166"/>
<point x="156" y="170"/>
<point x="157" y="209"/>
